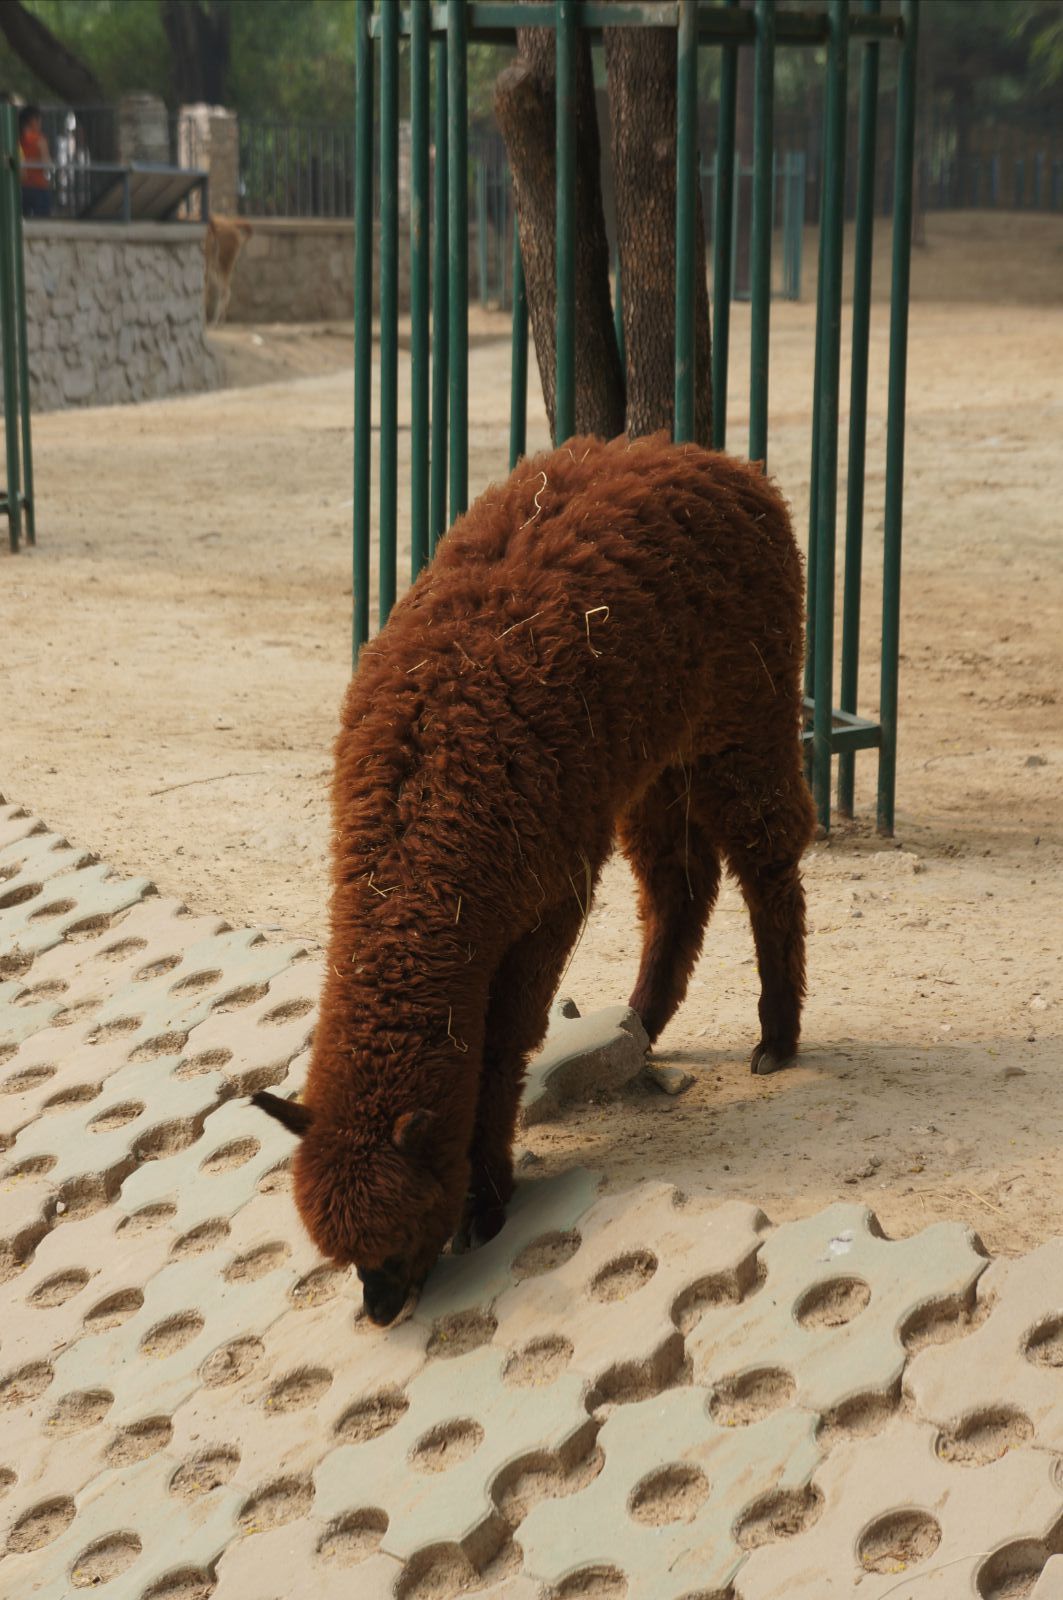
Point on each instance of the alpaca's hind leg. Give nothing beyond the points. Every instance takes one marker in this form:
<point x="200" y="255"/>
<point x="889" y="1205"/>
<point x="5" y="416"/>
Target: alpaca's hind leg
<point x="762" y="819"/>
<point x="677" y="869"/>
<point x="517" y="1016"/>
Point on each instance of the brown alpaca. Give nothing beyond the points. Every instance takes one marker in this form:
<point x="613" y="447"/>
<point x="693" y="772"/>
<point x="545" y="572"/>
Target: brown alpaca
<point x="609" y="643"/>
<point x="222" y="244"/>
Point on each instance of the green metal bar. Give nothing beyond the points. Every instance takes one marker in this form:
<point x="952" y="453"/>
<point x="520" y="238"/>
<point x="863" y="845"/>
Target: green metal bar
<point x="618" y="311"/>
<point x="458" y="228"/>
<point x="565" y="73"/>
<point x="440" y="300"/>
<point x="389" y="308"/>
<point x="9" y="199"/>
<point x="23" y="372"/>
<point x="891" y="570"/>
<point x="812" y="565"/>
<point x="420" y="108"/>
<point x="518" y="392"/>
<point x="760" y="248"/>
<point x="854" y="511"/>
<point x="363" y="317"/>
<point x="495" y="21"/>
<point x="686" y="200"/>
<point x="827" y="463"/>
<point x="481" y="228"/>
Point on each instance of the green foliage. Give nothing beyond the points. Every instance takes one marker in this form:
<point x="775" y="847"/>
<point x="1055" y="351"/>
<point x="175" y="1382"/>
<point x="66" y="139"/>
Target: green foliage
<point x="121" y="40"/>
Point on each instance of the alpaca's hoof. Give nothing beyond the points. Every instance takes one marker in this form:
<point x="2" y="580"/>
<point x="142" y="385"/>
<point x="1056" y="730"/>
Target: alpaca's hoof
<point x="479" y="1223"/>
<point x="765" y="1060"/>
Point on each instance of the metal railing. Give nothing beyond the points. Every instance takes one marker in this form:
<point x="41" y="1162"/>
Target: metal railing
<point x="296" y="169"/>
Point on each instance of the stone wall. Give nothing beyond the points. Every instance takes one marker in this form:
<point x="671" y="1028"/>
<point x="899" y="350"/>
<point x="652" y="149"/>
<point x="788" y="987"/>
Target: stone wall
<point x="114" y="312"/>
<point x="294" y="270"/>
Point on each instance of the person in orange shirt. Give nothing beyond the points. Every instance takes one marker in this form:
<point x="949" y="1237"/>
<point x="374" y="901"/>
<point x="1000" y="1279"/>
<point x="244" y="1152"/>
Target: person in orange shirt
<point x="36" y="176"/>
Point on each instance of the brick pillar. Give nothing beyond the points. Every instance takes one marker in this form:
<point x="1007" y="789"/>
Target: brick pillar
<point x="143" y="129"/>
<point x="209" y="136"/>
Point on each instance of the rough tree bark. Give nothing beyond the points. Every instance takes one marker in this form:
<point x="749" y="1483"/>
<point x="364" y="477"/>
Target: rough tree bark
<point x="526" y="109"/>
<point x="641" y="66"/>
<point x="47" y="58"/>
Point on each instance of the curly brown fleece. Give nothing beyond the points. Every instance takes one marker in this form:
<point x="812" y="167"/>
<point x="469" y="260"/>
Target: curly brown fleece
<point x="607" y="644"/>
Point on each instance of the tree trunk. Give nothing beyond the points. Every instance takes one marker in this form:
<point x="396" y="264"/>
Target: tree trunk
<point x="641" y="66"/>
<point x="198" y="33"/>
<point x="49" y="60"/>
<point x="525" y="107"/>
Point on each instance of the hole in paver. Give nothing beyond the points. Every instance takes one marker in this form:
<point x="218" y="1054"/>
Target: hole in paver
<point x="18" y="897"/>
<point x="59" y="1288"/>
<point x="624" y="1276"/>
<point x="446" y="1444"/>
<point x="204" y="1472"/>
<point x="83" y="1196"/>
<point x="206" y="1061"/>
<point x="1044" y="1345"/>
<point x="156" y="969"/>
<point x="163" y="1044"/>
<point x="123" y="948"/>
<point x="545" y="1477"/>
<point x="158" y="1143"/>
<point x="832" y="1304"/>
<point x="87" y="928"/>
<point x="148" y="1218"/>
<point x="591" y="1583"/>
<point x="228" y="1156"/>
<point x="1011" y="1572"/>
<point x="172" y="1335"/>
<point x="858" y="1418"/>
<point x="24" y="1385"/>
<point x="441" y="1573"/>
<point x="984" y="1436"/>
<point x="298" y="1389"/>
<point x="197" y="980"/>
<point x="353" y="1537"/>
<point x="317" y="1286"/>
<point x="8" y="1050"/>
<point x="719" y="1289"/>
<point x="255" y="1079"/>
<point x="278" y="1179"/>
<point x="232" y="1362"/>
<point x="8" y="1476"/>
<point x="54" y="908"/>
<point x="631" y="1381"/>
<point x="29" y="1078"/>
<point x="368" y="1418"/>
<point x="462" y="1331"/>
<point x="75" y="1013"/>
<point x="240" y="998"/>
<point x="190" y="1583"/>
<point x="112" y="1312"/>
<point x="110" y="1030"/>
<point x="256" y="1263"/>
<point x="40" y="1525"/>
<point x="105" y="1559"/>
<point x="288" y="1011"/>
<point x="550" y="1250"/>
<point x="32" y="1167"/>
<point x="674" y="1493"/>
<point x="747" y="1396"/>
<point x="48" y="990"/>
<point x="778" y="1515"/>
<point x="78" y="1094"/>
<point x="539" y="1361"/>
<point x="202" y="1238"/>
<point x="138" y="1441"/>
<point x="944" y="1320"/>
<point x="117" y="1116"/>
<point x="898" y="1540"/>
<point x="276" y="1503"/>
<point x="80" y="1410"/>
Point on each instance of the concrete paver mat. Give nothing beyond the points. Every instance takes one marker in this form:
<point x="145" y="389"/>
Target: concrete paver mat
<point x="627" y="1394"/>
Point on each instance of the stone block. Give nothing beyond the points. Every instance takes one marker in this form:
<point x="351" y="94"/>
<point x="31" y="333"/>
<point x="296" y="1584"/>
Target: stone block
<point x="583" y="1056"/>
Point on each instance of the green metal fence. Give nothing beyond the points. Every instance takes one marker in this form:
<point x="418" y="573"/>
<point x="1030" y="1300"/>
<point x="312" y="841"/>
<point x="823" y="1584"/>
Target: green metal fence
<point x="440" y="292"/>
<point x="16" y="496"/>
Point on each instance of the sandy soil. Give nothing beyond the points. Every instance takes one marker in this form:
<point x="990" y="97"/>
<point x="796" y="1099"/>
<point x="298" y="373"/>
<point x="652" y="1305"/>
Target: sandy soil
<point x="177" y="645"/>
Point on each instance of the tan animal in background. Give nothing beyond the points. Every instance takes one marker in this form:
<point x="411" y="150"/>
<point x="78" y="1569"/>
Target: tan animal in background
<point x="224" y="240"/>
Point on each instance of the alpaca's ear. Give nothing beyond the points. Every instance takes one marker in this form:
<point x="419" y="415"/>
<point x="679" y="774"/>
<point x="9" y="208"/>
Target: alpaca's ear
<point x="296" y="1118"/>
<point x="412" y="1131"/>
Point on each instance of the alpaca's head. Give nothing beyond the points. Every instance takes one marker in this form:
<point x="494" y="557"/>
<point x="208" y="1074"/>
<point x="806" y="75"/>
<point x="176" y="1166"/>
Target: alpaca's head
<point x="377" y="1203"/>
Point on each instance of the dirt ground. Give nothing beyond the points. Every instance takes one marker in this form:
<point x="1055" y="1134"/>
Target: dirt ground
<point x="177" y="645"/>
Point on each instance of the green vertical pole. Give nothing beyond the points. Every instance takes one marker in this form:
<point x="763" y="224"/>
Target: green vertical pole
<point x="419" y="248"/>
<point x="760" y="248"/>
<point x="686" y="200"/>
<point x="813" y="477"/>
<point x="440" y="303"/>
<point x="827" y="463"/>
<point x="854" y="511"/>
<point x="9" y="198"/>
<point x="565" y="401"/>
<point x="518" y="392"/>
<point x="389" y="304"/>
<point x="481" y="227"/>
<point x="722" y="239"/>
<point x="363" y="316"/>
<point x="618" y="311"/>
<point x="23" y="367"/>
<point x="458" y="228"/>
<point x="891" y="572"/>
